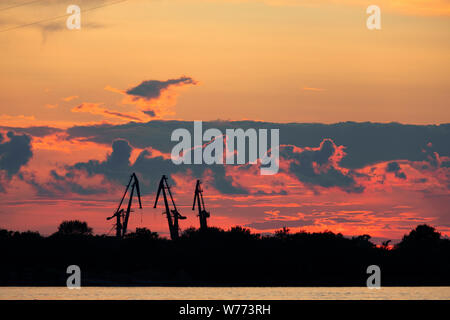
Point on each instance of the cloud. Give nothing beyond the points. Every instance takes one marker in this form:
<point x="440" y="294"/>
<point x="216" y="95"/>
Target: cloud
<point x="61" y="26"/>
<point x="311" y="177"/>
<point x="62" y="185"/>
<point x="154" y="97"/>
<point x="97" y="109"/>
<point x="365" y="143"/>
<point x="395" y="168"/>
<point x="431" y="156"/>
<point x="15" y="152"/>
<point x="152" y="89"/>
<point x="312" y="89"/>
<point x="70" y="98"/>
<point x="20" y="120"/>
<point x="116" y="167"/>
<point x="150" y="113"/>
<point x="312" y="155"/>
<point x="40" y="131"/>
<point x="319" y="166"/>
<point x="150" y="166"/>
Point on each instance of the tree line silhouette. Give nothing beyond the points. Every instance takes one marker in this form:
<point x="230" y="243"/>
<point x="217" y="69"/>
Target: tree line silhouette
<point x="217" y="257"/>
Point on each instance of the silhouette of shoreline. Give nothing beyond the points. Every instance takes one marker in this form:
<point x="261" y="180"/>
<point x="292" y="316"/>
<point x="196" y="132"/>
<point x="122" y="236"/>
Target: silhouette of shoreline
<point x="214" y="257"/>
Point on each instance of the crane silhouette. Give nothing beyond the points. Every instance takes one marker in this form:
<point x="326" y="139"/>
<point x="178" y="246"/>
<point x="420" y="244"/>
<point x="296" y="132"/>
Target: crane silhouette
<point x="121" y="215"/>
<point x="172" y="214"/>
<point x="202" y="213"/>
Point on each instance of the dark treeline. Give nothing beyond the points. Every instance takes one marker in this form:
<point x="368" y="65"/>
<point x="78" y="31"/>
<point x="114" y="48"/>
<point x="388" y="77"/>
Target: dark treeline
<point x="216" y="257"/>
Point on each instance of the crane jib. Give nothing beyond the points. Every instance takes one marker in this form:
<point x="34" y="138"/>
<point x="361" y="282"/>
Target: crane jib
<point x="121" y="215"/>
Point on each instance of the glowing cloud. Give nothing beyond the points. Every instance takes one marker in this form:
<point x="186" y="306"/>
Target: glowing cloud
<point x="155" y="98"/>
<point x="97" y="109"/>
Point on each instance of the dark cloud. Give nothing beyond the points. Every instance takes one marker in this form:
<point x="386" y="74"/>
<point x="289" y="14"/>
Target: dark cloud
<point x="394" y="167"/>
<point x="66" y="184"/>
<point x="155" y="134"/>
<point x="33" y="131"/>
<point x="150" y="113"/>
<point x="61" y="26"/>
<point x="365" y="143"/>
<point x="221" y="181"/>
<point x="15" y="152"/>
<point x="314" y="167"/>
<point x="152" y="89"/>
<point x="98" y="109"/>
<point x="117" y="168"/>
<point x="58" y="185"/>
<point x="272" y="193"/>
<point x="431" y="156"/>
<point x="42" y="190"/>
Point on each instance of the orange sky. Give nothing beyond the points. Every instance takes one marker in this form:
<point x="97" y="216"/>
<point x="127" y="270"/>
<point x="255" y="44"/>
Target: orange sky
<point x="249" y="58"/>
<point x="267" y="60"/>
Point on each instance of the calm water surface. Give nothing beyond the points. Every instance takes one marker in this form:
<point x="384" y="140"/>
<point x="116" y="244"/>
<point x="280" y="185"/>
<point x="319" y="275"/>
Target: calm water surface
<point x="223" y="293"/>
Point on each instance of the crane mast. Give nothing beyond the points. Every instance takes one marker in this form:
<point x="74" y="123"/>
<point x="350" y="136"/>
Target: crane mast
<point x="202" y="213"/>
<point x="172" y="214"/>
<point x="121" y="215"/>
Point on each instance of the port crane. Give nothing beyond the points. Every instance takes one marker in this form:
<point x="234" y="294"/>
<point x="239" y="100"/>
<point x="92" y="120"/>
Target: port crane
<point x="202" y="213"/>
<point x="172" y="214"/>
<point x="121" y="215"/>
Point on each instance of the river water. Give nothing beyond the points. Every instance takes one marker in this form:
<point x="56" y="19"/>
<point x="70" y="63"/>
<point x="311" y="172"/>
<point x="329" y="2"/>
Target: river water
<point x="224" y="293"/>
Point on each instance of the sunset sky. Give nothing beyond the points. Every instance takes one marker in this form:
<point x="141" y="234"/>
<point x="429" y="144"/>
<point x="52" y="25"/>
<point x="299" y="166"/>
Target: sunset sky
<point x="82" y="109"/>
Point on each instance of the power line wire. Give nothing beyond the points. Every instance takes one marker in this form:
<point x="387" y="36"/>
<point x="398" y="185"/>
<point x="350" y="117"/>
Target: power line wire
<point x="60" y="17"/>
<point x="19" y="5"/>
